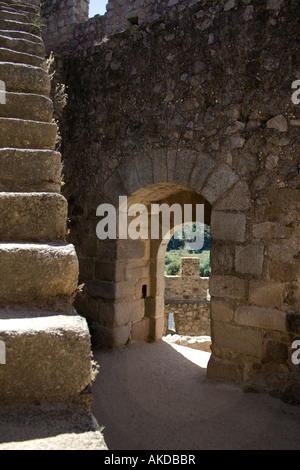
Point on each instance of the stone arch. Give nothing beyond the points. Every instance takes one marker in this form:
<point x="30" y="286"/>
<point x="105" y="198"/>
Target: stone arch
<point x="129" y="268"/>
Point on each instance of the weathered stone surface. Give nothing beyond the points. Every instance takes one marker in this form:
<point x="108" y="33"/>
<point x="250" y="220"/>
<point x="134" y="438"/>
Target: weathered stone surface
<point x="22" y="45"/>
<point x="18" y="133"/>
<point x="261" y="317"/>
<point x="140" y="330"/>
<point x="278" y="123"/>
<point x="221" y="311"/>
<point x="227" y="286"/>
<point x="267" y="294"/>
<point x="249" y="259"/>
<point x="64" y="426"/>
<point x="228" y="226"/>
<point x="245" y="341"/>
<point x="223" y="179"/>
<point x="7" y="55"/>
<point x="32" y="216"/>
<point x="27" y="106"/>
<point x="25" y="78"/>
<point x="238" y="199"/>
<point x="30" y="170"/>
<point x="47" y="359"/>
<point x="36" y="273"/>
<point x="277" y="352"/>
<point x="223" y="369"/>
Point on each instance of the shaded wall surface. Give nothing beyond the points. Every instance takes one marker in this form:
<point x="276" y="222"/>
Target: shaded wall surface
<point x="198" y="102"/>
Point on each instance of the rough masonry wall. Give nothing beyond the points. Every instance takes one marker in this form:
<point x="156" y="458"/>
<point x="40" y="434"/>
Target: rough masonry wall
<point x="202" y="102"/>
<point x="59" y="18"/>
<point x="187" y="297"/>
<point x="68" y="29"/>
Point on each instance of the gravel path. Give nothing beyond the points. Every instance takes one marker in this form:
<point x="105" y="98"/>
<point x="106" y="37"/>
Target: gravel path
<point x="156" y="397"/>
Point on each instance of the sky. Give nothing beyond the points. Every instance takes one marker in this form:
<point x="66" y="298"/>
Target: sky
<point x="97" y="7"/>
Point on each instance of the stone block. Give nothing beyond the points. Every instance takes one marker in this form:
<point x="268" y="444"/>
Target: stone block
<point x="121" y="313"/>
<point x="281" y="271"/>
<point x="204" y="167"/>
<point x="121" y="335"/>
<point x="277" y="352"/>
<point x="140" y="330"/>
<point x="221" y="258"/>
<point x="228" y="226"/>
<point x="266" y="294"/>
<point x="260" y="317"/>
<point x="245" y="341"/>
<point x="249" y="259"/>
<point x="219" y="182"/>
<point x="228" y="286"/>
<point x="221" y="311"/>
<point x="37" y="272"/>
<point x="223" y="369"/>
<point x="238" y="199"/>
<point x="47" y="358"/>
<point x="293" y="322"/>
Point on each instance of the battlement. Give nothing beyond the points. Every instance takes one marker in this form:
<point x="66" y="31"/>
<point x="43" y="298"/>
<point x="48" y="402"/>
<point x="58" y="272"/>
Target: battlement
<point x="67" y="26"/>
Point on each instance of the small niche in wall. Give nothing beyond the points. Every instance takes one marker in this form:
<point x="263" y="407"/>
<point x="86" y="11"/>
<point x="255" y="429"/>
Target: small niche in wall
<point x="134" y="20"/>
<point x="144" y="291"/>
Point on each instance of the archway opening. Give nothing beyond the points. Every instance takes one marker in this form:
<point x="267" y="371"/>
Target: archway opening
<point x="130" y="296"/>
<point x="187" y="298"/>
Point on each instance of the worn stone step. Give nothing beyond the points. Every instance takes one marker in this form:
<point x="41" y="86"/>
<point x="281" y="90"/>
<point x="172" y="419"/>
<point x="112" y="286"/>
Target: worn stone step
<point x="55" y="426"/>
<point x="21" y="35"/>
<point x="28" y="27"/>
<point x="18" y="133"/>
<point x="18" y="6"/>
<point x="47" y="358"/>
<point x="8" y="55"/>
<point x="37" y="274"/>
<point x="22" y="45"/>
<point x="25" y="78"/>
<point x="7" y="14"/>
<point x="32" y="217"/>
<point x="27" y="106"/>
<point x="25" y="170"/>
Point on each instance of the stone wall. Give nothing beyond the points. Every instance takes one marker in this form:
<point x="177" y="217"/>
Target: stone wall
<point x="59" y="18"/>
<point x="68" y="29"/>
<point x="187" y="297"/>
<point x="197" y="104"/>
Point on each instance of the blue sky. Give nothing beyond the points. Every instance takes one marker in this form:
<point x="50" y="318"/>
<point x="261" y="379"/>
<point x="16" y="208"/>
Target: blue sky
<point x="97" y="7"/>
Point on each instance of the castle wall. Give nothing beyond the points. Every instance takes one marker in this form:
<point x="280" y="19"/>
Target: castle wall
<point x="198" y="102"/>
<point x="186" y="296"/>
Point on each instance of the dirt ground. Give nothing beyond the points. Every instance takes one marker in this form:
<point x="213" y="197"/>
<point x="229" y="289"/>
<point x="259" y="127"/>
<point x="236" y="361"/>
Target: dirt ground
<point x="156" y="397"/>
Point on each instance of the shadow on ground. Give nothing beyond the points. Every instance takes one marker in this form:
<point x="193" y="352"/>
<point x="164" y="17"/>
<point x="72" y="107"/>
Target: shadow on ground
<point x="151" y="397"/>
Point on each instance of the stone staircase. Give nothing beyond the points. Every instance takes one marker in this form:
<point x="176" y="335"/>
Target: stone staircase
<point x="47" y="345"/>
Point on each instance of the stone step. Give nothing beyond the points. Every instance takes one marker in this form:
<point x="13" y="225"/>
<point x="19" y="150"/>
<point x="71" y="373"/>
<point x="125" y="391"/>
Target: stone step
<point x="46" y="358"/>
<point x="7" y="14"/>
<point x="25" y="78"/>
<point x="37" y="274"/>
<point x="12" y="5"/>
<point x="21" y="35"/>
<point x="18" y="133"/>
<point x="49" y="427"/>
<point x="27" y="27"/>
<point x="8" y="55"/>
<point x="27" y="106"/>
<point x="32" y="217"/>
<point x="22" y="45"/>
<point x="30" y="170"/>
